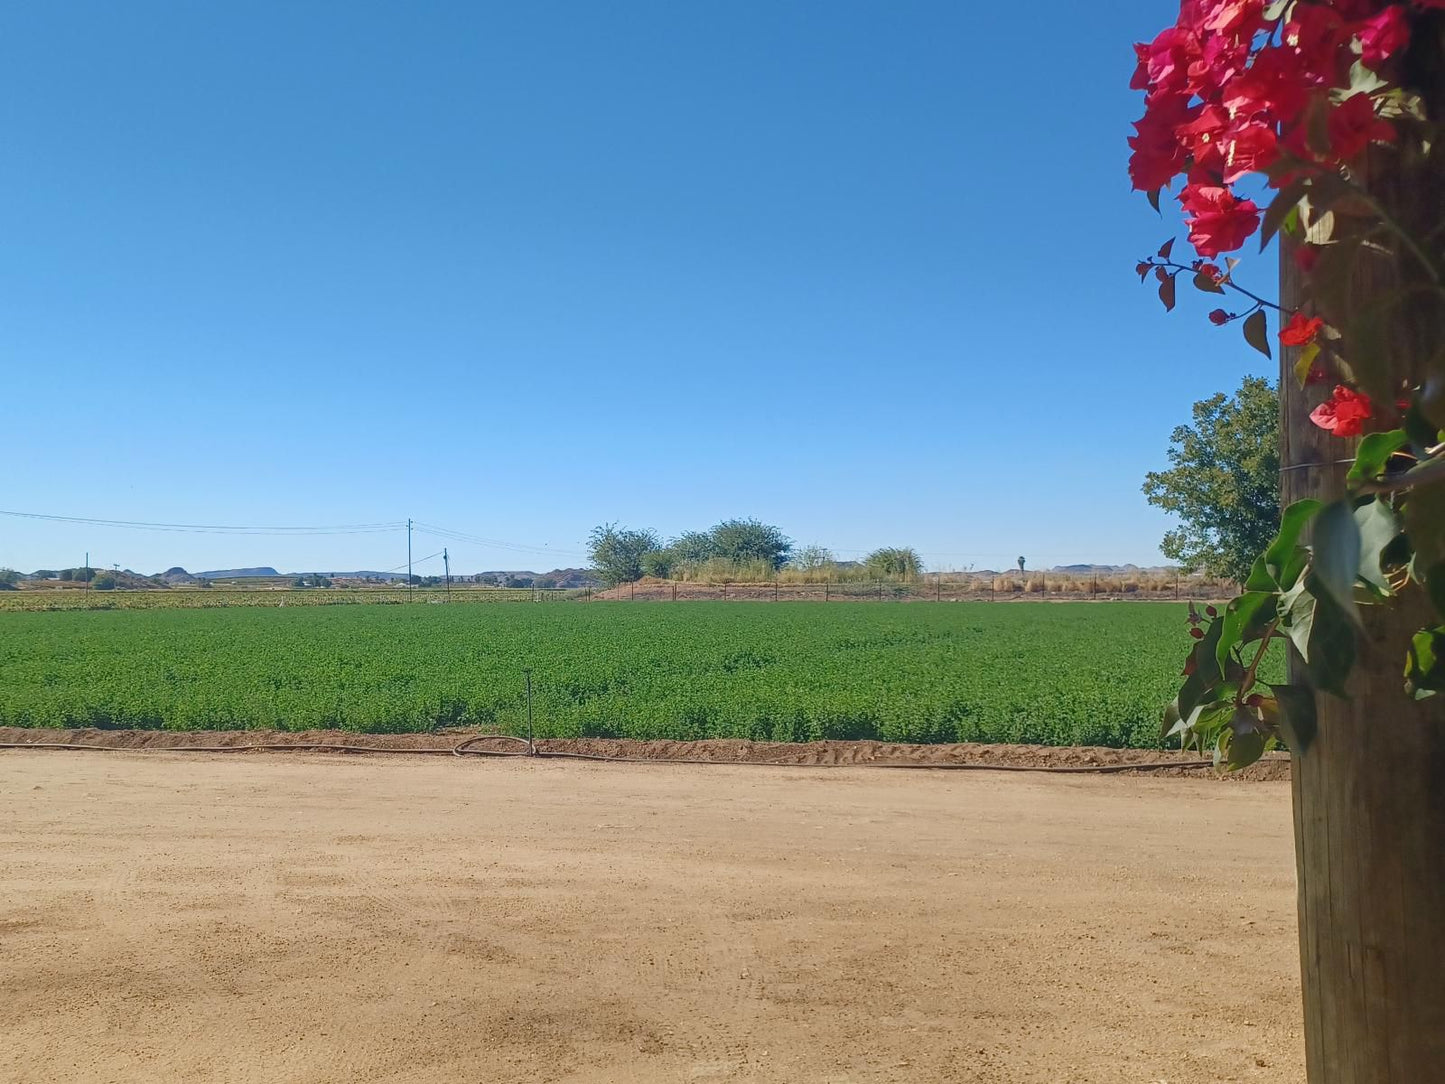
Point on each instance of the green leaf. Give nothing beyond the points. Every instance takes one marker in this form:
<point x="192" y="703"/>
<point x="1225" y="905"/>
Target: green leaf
<point x="1363" y="80"/>
<point x="1166" y="293"/>
<point x="1245" y="619"/>
<point x="1374" y="452"/>
<point x="1172" y="723"/>
<point x="1205" y="673"/>
<point x="1425" y="523"/>
<point x="1423" y="433"/>
<point x="1256" y="332"/>
<point x="1321" y="633"/>
<point x="1378" y="527"/>
<point x="1298" y="721"/>
<point x="1336" y="560"/>
<point x="1425" y="664"/>
<point x="1284" y="202"/>
<point x="1259" y="577"/>
<point x="1242" y="744"/>
<point x="1282" y="551"/>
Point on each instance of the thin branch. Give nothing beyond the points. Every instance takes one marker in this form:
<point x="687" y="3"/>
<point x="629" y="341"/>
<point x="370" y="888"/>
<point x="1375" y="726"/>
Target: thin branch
<point x="1249" y="675"/>
<point x="1226" y="281"/>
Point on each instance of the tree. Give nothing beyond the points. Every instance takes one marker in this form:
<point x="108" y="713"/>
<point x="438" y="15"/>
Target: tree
<point x="617" y="552"/>
<point x="1223" y="483"/>
<point x="694" y="547"/>
<point x="811" y="558"/>
<point x="894" y="563"/>
<point x="659" y="563"/>
<point x="9" y="578"/>
<point x="746" y="540"/>
<point x="1021" y="564"/>
<point x="104" y="581"/>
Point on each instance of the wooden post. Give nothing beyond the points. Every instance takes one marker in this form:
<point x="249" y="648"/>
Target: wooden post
<point x="674" y="592"/>
<point x="1369" y="792"/>
<point x="825" y="590"/>
<point x="938" y="587"/>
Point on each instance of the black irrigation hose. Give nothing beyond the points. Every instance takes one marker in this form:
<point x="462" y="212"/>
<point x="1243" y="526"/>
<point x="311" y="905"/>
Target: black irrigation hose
<point x="463" y="748"/>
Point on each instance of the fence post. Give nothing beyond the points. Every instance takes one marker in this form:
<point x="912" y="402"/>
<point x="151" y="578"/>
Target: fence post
<point x="775" y="589"/>
<point x="725" y="590"/>
<point x="825" y="590"/>
<point x="938" y="587"/>
<point x="674" y="592"/>
<point x="880" y="589"/>
<point x="633" y="595"/>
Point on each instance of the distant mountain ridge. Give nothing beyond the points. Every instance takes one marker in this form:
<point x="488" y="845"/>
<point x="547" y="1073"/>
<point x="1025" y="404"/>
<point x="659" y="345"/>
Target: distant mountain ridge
<point x="232" y="573"/>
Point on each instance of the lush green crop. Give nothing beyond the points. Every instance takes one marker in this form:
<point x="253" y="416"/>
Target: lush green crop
<point x="1071" y="673"/>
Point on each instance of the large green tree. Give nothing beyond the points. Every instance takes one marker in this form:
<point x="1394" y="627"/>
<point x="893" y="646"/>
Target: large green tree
<point x="745" y="540"/>
<point x="618" y="552"/>
<point x="1223" y="484"/>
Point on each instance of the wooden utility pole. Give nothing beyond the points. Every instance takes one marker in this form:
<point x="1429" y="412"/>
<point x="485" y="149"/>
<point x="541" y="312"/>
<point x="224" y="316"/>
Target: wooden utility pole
<point x="1369" y="792"/>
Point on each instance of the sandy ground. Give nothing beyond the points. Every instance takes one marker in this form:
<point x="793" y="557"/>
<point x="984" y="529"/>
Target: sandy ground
<point x="322" y="918"/>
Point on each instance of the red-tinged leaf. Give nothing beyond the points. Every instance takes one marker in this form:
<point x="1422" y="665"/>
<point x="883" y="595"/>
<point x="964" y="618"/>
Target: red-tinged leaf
<point x="1166" y="293"/>
<point x="1166" y="248"/>
<point x="1153" y="197"/>
<point x="1208" y="283"/>
<point x="1256" y="332"/>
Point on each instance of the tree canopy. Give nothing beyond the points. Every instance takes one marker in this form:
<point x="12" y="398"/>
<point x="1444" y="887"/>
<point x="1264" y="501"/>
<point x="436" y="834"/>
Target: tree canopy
<point x="617" y="552"/>
<point x="1223" y="483"/>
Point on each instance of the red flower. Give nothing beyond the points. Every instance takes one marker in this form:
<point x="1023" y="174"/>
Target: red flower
<point x="1269" y="87"/>
<point x="1345" y="413"/>
<point x="1384" y="35"/>
<point x="1219" y="317"/>
<point x="1316" y="34"/>
<point x="1300" y="330"/>
<point x="1250" y="148"/>
<point x="1158" y="155"/>
<point x="1219" y="221"/>
<point x="1316" y="375"/>
<point x="1353" y="126"/>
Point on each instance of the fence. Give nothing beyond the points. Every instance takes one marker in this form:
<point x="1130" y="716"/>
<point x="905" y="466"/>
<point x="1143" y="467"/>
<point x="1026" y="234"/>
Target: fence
<point x="939" y="587"/>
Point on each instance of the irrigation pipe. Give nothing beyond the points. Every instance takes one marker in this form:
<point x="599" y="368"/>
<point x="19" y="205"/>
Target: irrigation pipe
<point x="467" y="747"/>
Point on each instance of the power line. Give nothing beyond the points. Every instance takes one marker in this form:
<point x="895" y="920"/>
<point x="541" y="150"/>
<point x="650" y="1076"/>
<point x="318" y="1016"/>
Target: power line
<point x="208" y="528"/>
<point x="491" y="543"/>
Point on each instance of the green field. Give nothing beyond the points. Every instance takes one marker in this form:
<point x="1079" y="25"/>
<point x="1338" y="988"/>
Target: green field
<point x="1069" y="673"/>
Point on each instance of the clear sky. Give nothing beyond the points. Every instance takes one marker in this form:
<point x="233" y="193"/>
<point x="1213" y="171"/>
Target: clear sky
<point x="862" y="270"/>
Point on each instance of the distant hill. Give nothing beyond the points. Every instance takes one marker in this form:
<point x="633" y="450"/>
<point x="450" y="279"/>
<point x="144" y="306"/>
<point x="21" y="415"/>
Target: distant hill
<point x="178" y="575"/>
<point x="236" y="574"/>
<point x="1087" y="569"/>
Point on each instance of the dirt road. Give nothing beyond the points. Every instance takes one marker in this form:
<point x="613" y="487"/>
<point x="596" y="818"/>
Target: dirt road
<point x="269" y="918"/>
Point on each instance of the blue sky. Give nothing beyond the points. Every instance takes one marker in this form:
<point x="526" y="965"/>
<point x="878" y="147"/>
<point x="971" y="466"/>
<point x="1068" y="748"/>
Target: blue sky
<point x="861" y="270"/>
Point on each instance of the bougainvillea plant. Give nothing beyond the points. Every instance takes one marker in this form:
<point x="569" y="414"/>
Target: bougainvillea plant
<point x="1276" y="118"/>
